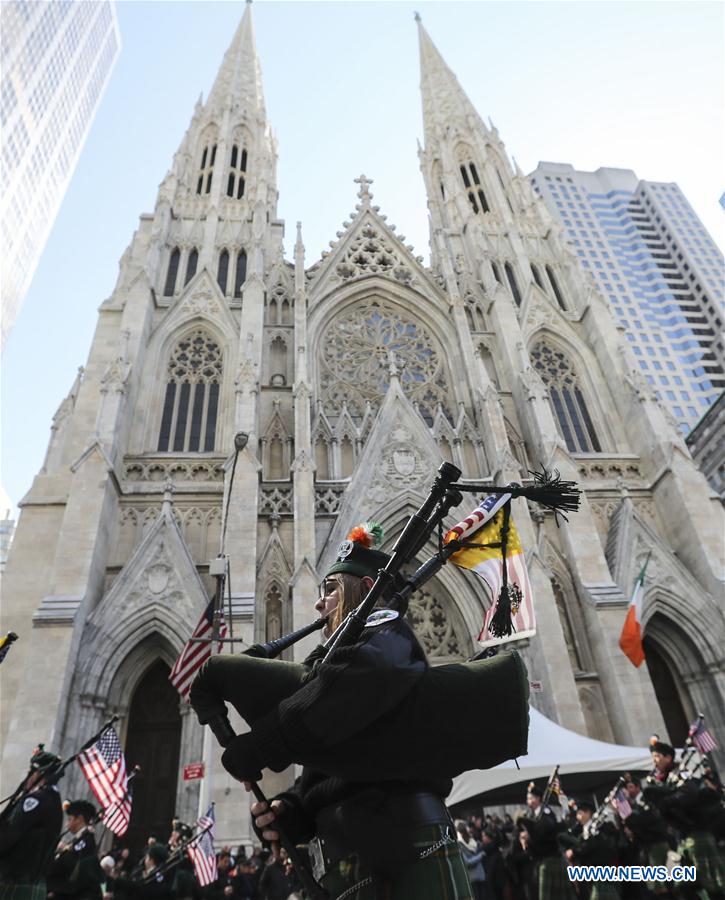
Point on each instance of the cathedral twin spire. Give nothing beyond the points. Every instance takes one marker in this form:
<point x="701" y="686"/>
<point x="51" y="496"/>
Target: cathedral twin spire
<point x="239" y="81"/>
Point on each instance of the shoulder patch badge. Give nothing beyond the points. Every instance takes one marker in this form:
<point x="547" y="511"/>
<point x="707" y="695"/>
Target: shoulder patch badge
<point x="80" y="844"/>
<point x="380" y="617"/>
<point x="30" y="803"/>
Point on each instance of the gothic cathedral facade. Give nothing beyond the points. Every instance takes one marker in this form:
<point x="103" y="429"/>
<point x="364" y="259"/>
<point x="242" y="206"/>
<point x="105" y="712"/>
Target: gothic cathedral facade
<point x="353" y="377"/>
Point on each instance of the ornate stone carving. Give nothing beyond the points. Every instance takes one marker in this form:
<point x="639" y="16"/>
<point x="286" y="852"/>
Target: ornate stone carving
<point x="432" y="626"/>
<point x="371" y="252"/>
<point x="355" y="361"/>
<point x="202" y="303"/>
<point x="162" y="470"/>
<point x="617" y="470"/>
<point x="275" y="501"/>
<point x="328" y="499"/>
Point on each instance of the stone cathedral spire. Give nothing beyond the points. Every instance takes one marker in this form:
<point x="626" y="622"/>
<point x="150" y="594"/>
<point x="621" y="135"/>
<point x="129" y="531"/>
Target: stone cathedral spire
<point x="239" y="81"/>
<point x="566" y="386"/>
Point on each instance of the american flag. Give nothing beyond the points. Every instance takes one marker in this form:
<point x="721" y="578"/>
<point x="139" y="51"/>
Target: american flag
<point x="201" y="850"/>
<point x="196" y="652"/>
<point x="117" y="817"/>
<point x="105" y="770"/>
<point x="701" y="737"/>
<point x="624" y="807"/>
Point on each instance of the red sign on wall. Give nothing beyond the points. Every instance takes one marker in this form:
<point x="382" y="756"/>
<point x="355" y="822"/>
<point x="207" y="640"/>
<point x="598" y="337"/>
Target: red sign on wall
<point x="193" y="771"/>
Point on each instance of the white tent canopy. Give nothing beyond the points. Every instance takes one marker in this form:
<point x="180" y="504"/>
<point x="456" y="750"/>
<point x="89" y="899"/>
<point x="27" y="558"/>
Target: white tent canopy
<point x="549" y="745"/>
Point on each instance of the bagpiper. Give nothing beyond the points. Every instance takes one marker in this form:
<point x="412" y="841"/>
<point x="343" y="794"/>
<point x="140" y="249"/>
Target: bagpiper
<point x="29" y="832"/>
<point x="540" y="832"/>
<point x="688" y="804"/>
<point x="75" y="873"/>
<point x="595" y="845"/>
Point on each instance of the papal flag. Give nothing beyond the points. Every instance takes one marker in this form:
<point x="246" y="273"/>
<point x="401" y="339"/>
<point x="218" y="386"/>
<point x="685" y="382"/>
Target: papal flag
<point x="630" y="640"/>
<point x="513" y="606"/>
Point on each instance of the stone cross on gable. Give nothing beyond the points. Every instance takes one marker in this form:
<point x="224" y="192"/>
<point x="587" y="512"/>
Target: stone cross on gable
<point x="364" y="192"/>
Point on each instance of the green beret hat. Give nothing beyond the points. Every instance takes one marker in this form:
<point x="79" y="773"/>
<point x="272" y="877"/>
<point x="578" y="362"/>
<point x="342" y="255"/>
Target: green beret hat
<point x="357" y="554"/>
<point x="41" y="759"/>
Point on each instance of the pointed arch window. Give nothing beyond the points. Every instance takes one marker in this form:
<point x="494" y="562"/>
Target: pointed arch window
<point x="237" y="173"/>
<point x="555" y="287"/>
<point x="240" y="273"/>
<point x="191" y="403"/>
<point x="511" y="277"/>
<point x="172" y="272"/>
<point x="566" y="626"/>
<point x="537" y="276"/>
<point x="206" y="169"/>
<point x="567" y="398"/>
<point x="472" y="183"/>
<point x="222" y="273"/>
<point x="273" y="617"/>
<point x="496" y="272"/>
<point x="191" y="264"/>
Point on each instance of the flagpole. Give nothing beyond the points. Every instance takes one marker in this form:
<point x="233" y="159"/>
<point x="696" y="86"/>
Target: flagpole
<point x="219" y="569"/>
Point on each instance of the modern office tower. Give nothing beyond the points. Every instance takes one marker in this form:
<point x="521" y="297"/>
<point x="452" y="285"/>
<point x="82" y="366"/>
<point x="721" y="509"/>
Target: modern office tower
<point x="707" y="445"/>
<point x="354" y="375"/>
<point x="56" y="60"/>
<point x="662" y="273"/>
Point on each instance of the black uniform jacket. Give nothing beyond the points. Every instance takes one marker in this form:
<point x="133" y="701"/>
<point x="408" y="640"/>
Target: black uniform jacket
<point x="29" y="836"/>
<point x="330" y="722"/>
<point x="691" y="806"/>
<point x="76" y="873"/>
<point x="376" y="711"/>
<point x="543" y="831"/>
<point x="598" y="849"/>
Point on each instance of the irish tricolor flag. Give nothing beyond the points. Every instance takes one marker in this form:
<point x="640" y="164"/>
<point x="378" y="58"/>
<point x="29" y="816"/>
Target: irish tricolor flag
<point x="630" y="639"/>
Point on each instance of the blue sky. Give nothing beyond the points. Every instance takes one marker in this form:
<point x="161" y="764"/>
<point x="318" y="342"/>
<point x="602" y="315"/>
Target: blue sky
<point x="635" y="85"/>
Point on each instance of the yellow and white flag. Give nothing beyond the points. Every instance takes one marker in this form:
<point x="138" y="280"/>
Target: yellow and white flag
<point x="484" y="526"/>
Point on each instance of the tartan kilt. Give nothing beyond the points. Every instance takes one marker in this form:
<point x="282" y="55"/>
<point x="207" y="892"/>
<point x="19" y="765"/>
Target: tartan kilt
<point x="701" y="850"/>
<point x="34" y="891"/>
<point x="439" y="876"/>
<point x="551" y="880"/>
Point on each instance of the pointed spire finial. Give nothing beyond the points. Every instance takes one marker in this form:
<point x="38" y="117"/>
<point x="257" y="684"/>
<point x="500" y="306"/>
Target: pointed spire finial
<point x="364" y="192"/>
<point x="168" y="500"/>
<point x="416" y="16"/>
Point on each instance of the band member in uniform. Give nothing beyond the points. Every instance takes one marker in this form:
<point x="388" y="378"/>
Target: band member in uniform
<point x="688" y="804"/>
<point x="75" y="873"/>
<point x="29" y="832"/>
<point x="367" y="838"/>
<point x="593" y="846"/>
<point x="646" y="840"/>
<point x="540" y="831"/>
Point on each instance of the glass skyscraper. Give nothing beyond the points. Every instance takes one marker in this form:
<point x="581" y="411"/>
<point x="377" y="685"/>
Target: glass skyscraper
<point x="662" y="273"/>
<point x="56" y="59"/>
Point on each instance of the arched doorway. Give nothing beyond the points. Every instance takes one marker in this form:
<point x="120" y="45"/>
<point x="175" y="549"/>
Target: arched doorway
<point x="153" y="742"/>
<point x="661" y="671"/>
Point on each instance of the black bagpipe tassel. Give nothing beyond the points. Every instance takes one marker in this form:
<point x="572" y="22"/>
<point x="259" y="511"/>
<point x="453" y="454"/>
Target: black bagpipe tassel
<point x="550" y="491"/>
<point x="509" y="597"/>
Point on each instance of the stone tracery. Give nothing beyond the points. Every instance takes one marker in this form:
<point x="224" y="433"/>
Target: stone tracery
<point x="355" y="361"/>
